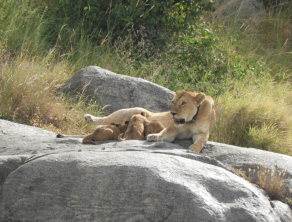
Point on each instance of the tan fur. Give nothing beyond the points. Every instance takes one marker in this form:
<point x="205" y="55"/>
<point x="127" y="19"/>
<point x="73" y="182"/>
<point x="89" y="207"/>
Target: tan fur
<point x="104" y="132"/>
<point x="135" y="130"/>
<point x="139" y="128"/>
<point x="184" y="107"/>
<point x="153" y="127"/>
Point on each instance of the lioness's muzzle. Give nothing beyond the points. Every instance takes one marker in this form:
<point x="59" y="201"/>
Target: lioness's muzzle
<point x="179" y="121"/>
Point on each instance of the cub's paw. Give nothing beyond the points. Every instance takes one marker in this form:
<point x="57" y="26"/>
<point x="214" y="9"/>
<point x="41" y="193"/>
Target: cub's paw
<point x="88" y="118"/>
<point x="152" y="137"/>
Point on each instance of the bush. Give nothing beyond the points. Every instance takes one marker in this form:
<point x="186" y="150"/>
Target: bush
<point x="103" y="19"/>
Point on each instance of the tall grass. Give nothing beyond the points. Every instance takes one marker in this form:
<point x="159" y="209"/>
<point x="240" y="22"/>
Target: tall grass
<point x="256" y="116"/>
<point x="21" y="26"/>
<point x="30" y="94"/>
<point x="266" y="36"/>
<point x="256" y="110"/>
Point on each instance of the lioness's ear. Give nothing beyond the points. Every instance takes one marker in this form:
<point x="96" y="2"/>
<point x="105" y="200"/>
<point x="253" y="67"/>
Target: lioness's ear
<point x="179" y="91"/>
<point x="199" y="97"/>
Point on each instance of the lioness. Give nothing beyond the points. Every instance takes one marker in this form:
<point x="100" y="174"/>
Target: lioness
<point x="192" y="115"/>
<point x="139" y="128"/>
<point x="104" y="132"/>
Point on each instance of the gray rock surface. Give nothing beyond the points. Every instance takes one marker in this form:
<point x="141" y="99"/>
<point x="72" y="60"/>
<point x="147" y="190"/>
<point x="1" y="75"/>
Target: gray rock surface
<point x="252" y="161"/>
<point x="119" y="91"/>
<point x="245" y="158"/>
<point x="48" y="179"/>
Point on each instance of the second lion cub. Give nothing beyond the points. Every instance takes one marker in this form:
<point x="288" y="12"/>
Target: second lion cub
<point x="139" y="128"/>
<point x="105" y="132"/>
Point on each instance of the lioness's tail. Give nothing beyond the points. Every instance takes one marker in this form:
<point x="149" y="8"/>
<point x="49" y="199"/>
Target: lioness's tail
<point x="71" y="136"/>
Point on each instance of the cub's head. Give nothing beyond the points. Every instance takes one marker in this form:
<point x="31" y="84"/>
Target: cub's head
<point x="184" y="106"/>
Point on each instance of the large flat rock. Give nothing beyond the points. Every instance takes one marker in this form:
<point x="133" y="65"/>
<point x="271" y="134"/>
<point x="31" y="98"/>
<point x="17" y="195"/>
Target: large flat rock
<point x="129" y="186"/>
<point x="43" y="178"/>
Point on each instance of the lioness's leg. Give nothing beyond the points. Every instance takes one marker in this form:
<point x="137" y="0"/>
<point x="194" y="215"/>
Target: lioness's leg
<point x="168" y="134"/>
<point x="118" y="117"/>
<point x="199" y="142"/>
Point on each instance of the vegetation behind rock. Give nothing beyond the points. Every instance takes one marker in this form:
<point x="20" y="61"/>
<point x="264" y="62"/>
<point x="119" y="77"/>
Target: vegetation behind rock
<point x="245" y="64"/>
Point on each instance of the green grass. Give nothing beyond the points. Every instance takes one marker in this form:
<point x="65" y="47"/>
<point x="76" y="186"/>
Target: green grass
<point x="247" y="71"/>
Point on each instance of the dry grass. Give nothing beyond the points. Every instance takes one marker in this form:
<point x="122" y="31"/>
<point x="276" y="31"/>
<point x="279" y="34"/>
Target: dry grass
<point x="272" y="181"/>
<point x="29" y="94"/>
<point x="256" y="116"/>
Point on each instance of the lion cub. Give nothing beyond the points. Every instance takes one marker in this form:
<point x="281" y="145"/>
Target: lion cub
<point x="139" y="128"/>
<point x="105" y="132"/>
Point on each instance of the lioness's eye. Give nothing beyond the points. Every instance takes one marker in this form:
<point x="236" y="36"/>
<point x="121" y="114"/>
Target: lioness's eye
<point x="172" y="102"/>
<point x="183" y="103"/>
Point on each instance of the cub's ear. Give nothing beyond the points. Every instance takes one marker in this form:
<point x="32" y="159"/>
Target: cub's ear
<point x="199" y="97"/>
<point x="144" y="114"/>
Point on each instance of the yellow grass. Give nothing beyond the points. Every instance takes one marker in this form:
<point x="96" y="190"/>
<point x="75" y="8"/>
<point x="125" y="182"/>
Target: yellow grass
<point x="30" y="94"/>
<point x="257" y="116"/>
<point x="272" y="181"/>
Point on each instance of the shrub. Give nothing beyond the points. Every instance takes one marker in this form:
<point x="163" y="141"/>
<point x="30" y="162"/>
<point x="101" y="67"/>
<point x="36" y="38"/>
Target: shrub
<point x="102" y="19"/>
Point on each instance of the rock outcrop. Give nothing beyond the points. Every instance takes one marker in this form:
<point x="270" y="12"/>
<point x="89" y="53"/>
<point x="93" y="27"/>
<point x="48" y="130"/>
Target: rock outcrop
<point x="43" y="178"/>
<point x="117" y="91"/>
<point x="251" y="160"/>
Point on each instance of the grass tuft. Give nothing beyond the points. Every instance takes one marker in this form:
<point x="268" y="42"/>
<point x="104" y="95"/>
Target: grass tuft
<point x="272" y="182"/>
<point x="256" y="116"/>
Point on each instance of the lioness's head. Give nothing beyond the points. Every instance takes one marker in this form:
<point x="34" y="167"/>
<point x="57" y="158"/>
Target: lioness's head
<point x="185" y="105"/>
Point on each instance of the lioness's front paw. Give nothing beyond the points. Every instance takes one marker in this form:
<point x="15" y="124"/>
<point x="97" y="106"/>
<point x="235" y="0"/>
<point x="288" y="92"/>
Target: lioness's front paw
<point x="152" y="137"/>
<point x="196" y="148"/>
<point x="88" y="118"/>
